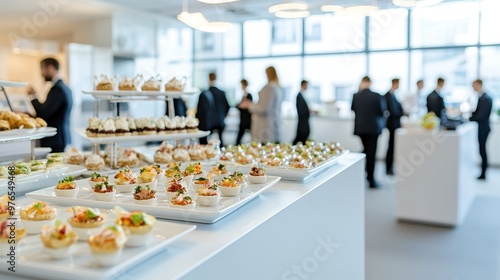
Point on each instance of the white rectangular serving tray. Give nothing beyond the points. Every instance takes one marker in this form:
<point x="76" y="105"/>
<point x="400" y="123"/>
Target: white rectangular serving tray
<point x="290" y="174"/>
<point x="142" y="138"/>
<point x="106" y="94"/>
<point x="32" y="261"/>
<point x="201" y="214"/>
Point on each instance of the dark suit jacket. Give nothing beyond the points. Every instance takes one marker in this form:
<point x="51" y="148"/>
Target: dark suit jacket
<point x="369" y="108"/>
<point x="435" y="103"/>
<point x="205" y="111"/>
<point x="221" y="107"/>
<point x="180" y="108"/>
<point x="302" y="112"/>
<point x="482" y="113"/>
<point x="245" y="115"/>
<point x="56" y="112"/>
<point x="395" y="111"/>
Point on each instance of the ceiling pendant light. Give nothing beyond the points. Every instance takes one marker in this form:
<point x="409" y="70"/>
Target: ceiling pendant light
<point x="415" y="3"/>
<point x="361" y="10"/>
<point x="198" y="21"/>
<point x="332" y="8"/>
<point x="217" y="1"/>
<point x="290" y="10"/>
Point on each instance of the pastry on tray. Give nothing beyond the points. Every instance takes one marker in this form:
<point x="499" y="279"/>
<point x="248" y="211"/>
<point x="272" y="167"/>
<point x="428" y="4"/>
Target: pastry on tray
<point x="85" y="221"/>
<point x="36" y="215"/>
<point x="149" y="127"/>
<point x="175" y="84"/>
<point x="139" y="226"/>
<point x="192" y="124"/>
<point x="57" y="239"/>
<point x="4" y="125"/>
<point x="128" y="84"/>
<point x="128" y="157"/>
<point x="94" y="162"/>
<point x="41" y="122"/>
<point x="122" y="127"/>
<point x="107" y="246"/>
<point x="6" y="239"/>
<point x="107" y="128"/>
<point x="105" y="83"/>
<point x="153" y="84"/>
<point x="74" y="156"/>
<point x="93" y="127"/>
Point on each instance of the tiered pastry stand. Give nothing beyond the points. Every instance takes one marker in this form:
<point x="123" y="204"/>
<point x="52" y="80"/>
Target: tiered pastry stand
<point x="118" y="97"/>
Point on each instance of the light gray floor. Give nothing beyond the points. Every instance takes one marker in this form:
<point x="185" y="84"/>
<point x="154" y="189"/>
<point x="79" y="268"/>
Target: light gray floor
<point x="405" y="251"/>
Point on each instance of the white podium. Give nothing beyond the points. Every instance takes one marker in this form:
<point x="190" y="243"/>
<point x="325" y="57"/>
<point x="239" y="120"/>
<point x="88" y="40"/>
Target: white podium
<point x="435" y="174"/>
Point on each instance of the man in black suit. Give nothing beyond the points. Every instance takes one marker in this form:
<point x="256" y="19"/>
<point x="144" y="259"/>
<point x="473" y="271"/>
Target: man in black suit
<point x="56" y="109"/>
<point x="245" y="115"/>
<point x="482" y="117"/>
<point x="180" y="108"/>
<point x="393" y="122"/>
<point x="369" y="108"/>
<point x="205" y="113"/>
<point x="221" y="107"/>
<point x="303" y="113"/>
<point x="435" y="102"/>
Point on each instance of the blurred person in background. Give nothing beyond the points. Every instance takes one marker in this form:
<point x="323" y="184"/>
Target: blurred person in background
<point x="303" y="113"/>
<point x="221" y="107"/>
<point x="205" y="113"/>
<point x="393" y="122"/>
<point x="180" y="108"/>
<point x="435" y="102"/>
<point x="56" y="109"/>
<point x="414" y="102"/>
<point x="266" y="113"/>
<point x="482" y="116"/>
<point x="369" y="108"/>
<point x="245" y="116"/>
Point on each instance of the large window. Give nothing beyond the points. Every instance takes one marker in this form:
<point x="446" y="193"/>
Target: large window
<point x="490" y="21"/>
<point x="388" y="29"/>
<point x="272" y="37"/>
<point x="218" y="45"/>
<point x="490" y="56"/>
<point x="385" y="66"/>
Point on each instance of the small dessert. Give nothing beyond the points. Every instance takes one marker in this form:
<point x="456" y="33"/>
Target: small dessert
<point x="128" y="158"/>
<point x="55" y="161"/>
<point x="153" y="84"/>
<point x="128" y="84"/>
<point x="192" y="124"/>
<point x="170" y="125"/>
<point x="139" y="225"/>
<point x="122" y="128"/>
<point x="181" y="154"/>
<point x="105" y="83"/>
<point x="132" y="126"/>
<point x="149" y="127"/>
<point x="94" y="162"/>
<point x="125" y="181"/>
<point x="148" y="176"/>
<point x="86" y="221"/>
<point x="58" y="239"/>
<point x="107" y="246"/>
<point x="182" y="201"/>
<point x="104" y="192"/>
<point x="229" y="187"/>
<point x="97" y="178"/>
<point x="107" y="128"/>
<point x="195" y="170"/>
<point x="36" y="215"/>
<point x="238" y="177"/>
<point x="6" y="240"/>
<point x="257" y="175"/>
<point x="180" y="124"/>
<point x="37" y="166"/>
<point x="66" y="187"/>
<point x="93" y="127"/>
<point x="160" y="127"/>
<point x="41" y="122"/>
<point x="22" y="168"/>
<point x="5" y="212"/>
<point x="144" y="195"/>
<point x="219" y="171"/>
<point x="175" y="188"/>
<point x="139" y="123"/>
<point x="197" y="152"/>
<point x="208" y="196"/>
<point x="74" y="156"/>
<point x="175" y="84"/>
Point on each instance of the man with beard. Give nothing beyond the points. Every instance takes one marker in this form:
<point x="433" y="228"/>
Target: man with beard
<point x="57" y="107"/>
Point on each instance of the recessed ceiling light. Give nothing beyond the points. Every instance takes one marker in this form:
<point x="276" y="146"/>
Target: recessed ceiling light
<point x="292" y="14"/>
<point x="331" y="8"/>
<point x="415" y="3"/>
<point x="364" y="10"/>
<point x="289" y="7"/>
<point x="217" y="1"/>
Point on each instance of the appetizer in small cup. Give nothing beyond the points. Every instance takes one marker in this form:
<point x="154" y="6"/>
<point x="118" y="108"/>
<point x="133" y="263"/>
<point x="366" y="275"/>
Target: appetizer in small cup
<point x="4" y="208"/>
<point x="174" y="188"/>
<point x="138" y="225"/>
<point x="238" y="177"/>
<point x="66" y="187"/>
<point x="36" y="215"/>
<point x="107" y="246"/>
<point x="195" y="170"/>
<point x="58" y="239"/>
<point x="97" y="178"/>
<point x="144" y="195"/>
<point x="182" y="201"/>
<point x="125" y="181"/>
<point x="208" y="196"/>
<point x="229" y="187"/>
<point x="172" y="169"/>
<point x="257" y="175"/>
<point x="219" y="172"/>
<point x="86" y="221"/>
<point x="6" y="237"/>
<point x="153" y="168"/>
<point x="148" y="176"/>
<point x="104" y="192"/>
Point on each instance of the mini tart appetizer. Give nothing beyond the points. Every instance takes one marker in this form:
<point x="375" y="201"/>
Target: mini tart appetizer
<point x="107" y="246"/>
<point x="36" y="215"/>
<point x="300" y="165"/>
<point x="257" y="175"/>
<point x="238" y="177"/>
<point x="229" y="187"/>
<point x="172" y="169"/>
<point x="86" y="221"/>
<point x="226" y="157"/>
<point x="97" y="178"/>
<point x="148" y="177"/>
<point x="219" y="171"/>
<point x="5" y="233"/>
<point x="125" y="181"/>
<point x="208" y="196"/>
<point x="194" y="169"/>
<point x="104" y="192"/>
<point x="66" y="187"/>
<point x="175" y="188"/>
<point x="4" y="208"/>
<point x="182" y="201"/>
<point x="202" y="181"/>
<point x="244" y="159"/>
<point x="144" y="195"/>
<point x="139" y="225"/>
<point x="58" y="239"/>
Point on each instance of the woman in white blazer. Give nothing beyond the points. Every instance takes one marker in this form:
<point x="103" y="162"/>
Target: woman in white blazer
<point x="266" y="113"/>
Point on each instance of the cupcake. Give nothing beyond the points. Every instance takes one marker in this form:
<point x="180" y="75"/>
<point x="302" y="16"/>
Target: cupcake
<point x="104" y="192"/>
<point x="208" y="196"/>
<point x="107" y="128"/>
<point x="74" y="156"/>
<point x="86" y="221"/>
<point x="170" y="126"/>
<point x="144" y="195"/>
<point x="66" y="187"/>
<point x="94" y="162"/>
<point x="36" y="215"/>
<point x="132" y="126"/>
<point x="192" y="124"/>
<point x="125" y="181"/>
<point x="57" y="239"/>
<point x="97" y="178"/>
<point x="160" y="127"/>
<point x="182" y="201"/>
<point x="257" y="175"/>
<point x="139" y="226"/>
<point x="6" y="240"/>
<point x="107" y="246"/>
<point x="122" y="128"/>
<point x="229" y="187"/>
<point x="93" y="127"/>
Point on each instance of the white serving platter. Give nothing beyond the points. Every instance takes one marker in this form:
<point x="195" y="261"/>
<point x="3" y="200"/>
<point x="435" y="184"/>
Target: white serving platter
<point x="18" y="135"/>
<point x="110" y="94"/>
<point x="32" y="261"/>
<point x="12" y="84"/>
<point x="286" y="173"/>
<point x="200" y="214"/>
<point x="142" y="138"/>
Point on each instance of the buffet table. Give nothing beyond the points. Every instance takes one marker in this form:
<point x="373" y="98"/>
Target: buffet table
<point x="435" y="174"/>
<point x="293" y="230"/>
